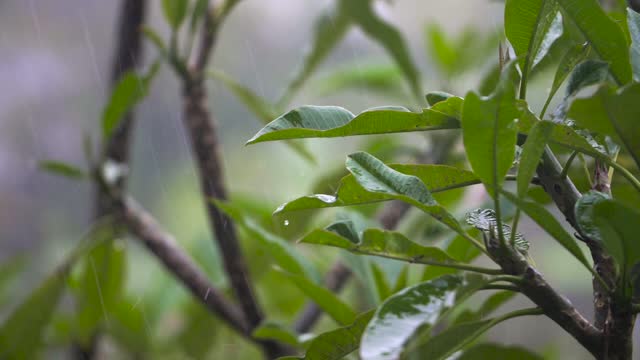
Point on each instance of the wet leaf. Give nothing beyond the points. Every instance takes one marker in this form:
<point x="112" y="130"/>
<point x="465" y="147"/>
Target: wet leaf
<point x="336" y="344"/>
<point x="334" y="121"/>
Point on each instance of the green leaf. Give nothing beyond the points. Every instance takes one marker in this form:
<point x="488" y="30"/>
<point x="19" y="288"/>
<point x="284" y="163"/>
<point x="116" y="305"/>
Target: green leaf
<point x="633" y="20"/>
<point x="336" y="344"/>
<point x="532" y="153"/>
<point x="362" y="13"/>
<point x="175" y="12"/>
<point x="584" y="213"/>
<point x="604" y="35"/>
<point x="617" y="225"/>
<point x="437" y="178"/>
<point x="200" y="8"/>
<point x="62" y="169"/>
<point x="496" y="351"/>
<point x="330" y="27"/>
<point x="9" y="269"/>
<point x="375" y="177"/>
<point x="376" y="242"/>
<point x="401" y="315"/>
<point x="451" y="340"/>
<point x="21" y="334"/>
<point x="613" y="113"/>
<point x="129" y="91"/>
<point x="441" y="49"/>
<point x="279" y="249"/>
<point x="129" y="326"/>
<point x="342" y="313"/>
<point x="491" y="304"/>
<point x="569" y="61"/>
<point x="532" y="26"/>
<point x="334" y="121"/>
<point x="156" y="40"/>
<point x="435" y="97"/>
<point x="549" y="223"/>
<point x="258" y="106"/>
<point x="277" y="332"/>
<point x="383" y="79"/>
<point x="383" y="288"/>
<point x="587" y="73"/>
<point x="102" y="284"/>
<point x="489" y="132"/>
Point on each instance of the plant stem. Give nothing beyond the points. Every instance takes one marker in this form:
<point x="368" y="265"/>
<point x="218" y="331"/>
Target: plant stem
<point x="626" y="173"/>
<point x="567" y="165"/>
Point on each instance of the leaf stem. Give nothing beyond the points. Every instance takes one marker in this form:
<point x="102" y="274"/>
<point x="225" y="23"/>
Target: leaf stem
<point x="463" y="267"/>
<point x="626" y="173"/>
<point x="500" y="287"/>
<point x="567" y="165"/>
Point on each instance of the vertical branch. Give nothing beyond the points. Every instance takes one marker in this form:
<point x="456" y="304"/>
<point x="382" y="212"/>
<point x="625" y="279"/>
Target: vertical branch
<point x="127" y="55"/>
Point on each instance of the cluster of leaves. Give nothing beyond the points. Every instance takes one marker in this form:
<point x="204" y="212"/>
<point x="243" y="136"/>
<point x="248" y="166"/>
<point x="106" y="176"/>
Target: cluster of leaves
<point x="594" y="118"/>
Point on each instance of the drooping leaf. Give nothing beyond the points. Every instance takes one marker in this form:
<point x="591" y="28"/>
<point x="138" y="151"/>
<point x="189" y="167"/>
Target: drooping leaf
<point x="401" y="315"/>
<point x="375" y="177"/>
<point x="617" y="225"/>
<point x="485" y="220"/>
<point x="128" y="325"/>
<point x="383" y="288"/>
<point x="362" y="13"/>
<point x="551" y="225"/>
<point x="532" y="26"/>
<point x="9" y="270"/>
<point x="336" y="344"/>
<point x="613" y="113"/>
<point x="437" y="178"/>
<point x="277" y="332"/>
<point x="605" y="36"/>
<point x="633" y="20"/>
<point x="531" y="154"/>
<point x="383" y="243"/>
<point x="584" y="213"/>
<point x="283" y="254"/>
<point x="333" y="121"/>
<point x="329" y="28"/>
<point x="489" y="132"/>
<point x="63" y="169"/>
<point x="129" y="91"/>
<point x="339" y="311"/>
<point x="491" y="304"/>
<point x="175" y="12"/>
<point x="569" y="61"/>
<point x="497" y="351"/>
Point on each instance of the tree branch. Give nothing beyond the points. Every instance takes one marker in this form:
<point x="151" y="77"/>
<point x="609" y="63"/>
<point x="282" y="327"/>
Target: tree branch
<point x="142" y="225"/>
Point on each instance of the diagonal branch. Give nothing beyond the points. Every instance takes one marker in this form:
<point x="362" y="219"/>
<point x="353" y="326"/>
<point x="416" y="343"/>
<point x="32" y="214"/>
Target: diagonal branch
<point x="143" y="226"/>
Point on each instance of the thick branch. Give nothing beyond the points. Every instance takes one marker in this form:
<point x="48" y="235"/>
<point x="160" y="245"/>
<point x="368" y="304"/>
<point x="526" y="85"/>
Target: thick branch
<point x="144" y="227"/>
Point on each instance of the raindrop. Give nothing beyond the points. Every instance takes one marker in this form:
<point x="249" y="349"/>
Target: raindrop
<point x="286" y="223"/>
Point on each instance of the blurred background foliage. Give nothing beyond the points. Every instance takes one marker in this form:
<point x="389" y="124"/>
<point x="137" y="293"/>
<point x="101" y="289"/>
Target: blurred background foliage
<point x="54" y="82"/>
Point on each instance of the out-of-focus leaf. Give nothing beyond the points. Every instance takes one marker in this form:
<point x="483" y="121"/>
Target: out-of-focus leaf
<point x="8" y="272"/>
<point x="532" y="26"/>
<point x="279" y="249"/>
<point x="382" y="283"/>
<point x="617" y="225"/>
<point x="604" y="35"/>
<point x="489" y="132"/>
<point x="383" y="243"/>
<point x="339" y="311"/>
<point x="531" y="154"/>
<point x="496" y="351"/>
<point x="156" y="40"/>
<point x="379" y="78"/>
<point x="361" y="12"/>
<point x="264" y="111"/>
<point x="63" y="169"/>
<point x="569" y="61"/>
<point x="175" y="12"/>
<point x="102" y="284"/>
<point x="199" y="10"/>
<point x="334" y="121"/>
<point x="128" y="325"/>
<point x="633" y="20"/>
<point x="491" y="304"/>
<point x="435" y="97"/>
<point x="441" y="49"/>
<point x="584" y="213"/>
<point x="402" y="280"/>
<point x="336" y="344"/>
<point x="416" y="308"/>
<point x="330" y="27"/>
<point x="277" y="332"/>
<point x="549" y="223"/>
<point x="587" y="73"/>
<point x="129" y="91"/>
<point x="437" y="178"/>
